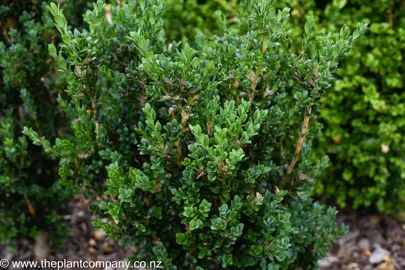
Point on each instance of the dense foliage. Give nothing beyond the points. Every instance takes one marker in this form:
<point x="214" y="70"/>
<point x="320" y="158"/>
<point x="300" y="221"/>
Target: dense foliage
<point x="31" y="199"/>
<point x="364" y="116"/>
<point x="205" y="148"/>
<point x="183" y="20"/>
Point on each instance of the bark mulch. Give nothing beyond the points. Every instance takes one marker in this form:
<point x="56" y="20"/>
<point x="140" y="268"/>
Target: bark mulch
<point x="84" y="243"/>
<point x="373" y="242"/>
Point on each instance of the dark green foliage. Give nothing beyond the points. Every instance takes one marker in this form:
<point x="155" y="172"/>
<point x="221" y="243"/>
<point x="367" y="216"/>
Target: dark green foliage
<point x="205" y="149"/>
<point x="31" y="199"/>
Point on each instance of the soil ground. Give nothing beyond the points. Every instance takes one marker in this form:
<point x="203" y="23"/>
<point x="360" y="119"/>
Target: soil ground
<point x="373" y="242"/>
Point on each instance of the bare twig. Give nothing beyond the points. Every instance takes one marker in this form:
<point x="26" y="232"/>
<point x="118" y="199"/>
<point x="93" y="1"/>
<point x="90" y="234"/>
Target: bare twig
<point x="31" y="208"/>
<point x="251" y="165"/>
<point x="298" y="148"/>
<point x="282" y="153"/>
<point x="146" y="199"/>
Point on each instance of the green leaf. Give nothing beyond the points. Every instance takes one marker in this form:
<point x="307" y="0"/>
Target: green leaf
<point x="160" y="251"/>
<point x="224" y="210"/>
<point x="256" y="250"/>
<point x="183" y="238"/>
<point x="236" y="203"/>
<point x="237" y="230"/>
<point x="189" y="211"/>
<point x="59" y="20"/>
<point x="195" y="224"/>
<point x="205" y="206"/>
<point x="226" y="260"/>
<point x="218" y="224"/>
<point x="52" y="50"/>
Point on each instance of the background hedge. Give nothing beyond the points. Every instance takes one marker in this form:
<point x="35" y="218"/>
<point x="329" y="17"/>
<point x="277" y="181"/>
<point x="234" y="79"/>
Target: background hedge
<point x="364" y="117"/>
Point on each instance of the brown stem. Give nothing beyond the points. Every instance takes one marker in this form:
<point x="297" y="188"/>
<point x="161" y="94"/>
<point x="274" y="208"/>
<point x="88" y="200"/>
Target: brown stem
<point x="192" y="266"/>
<point x="147" y="199"/>
<point x="31" y="208"/>
<point x="298" y="148"/>
<point x="251" y="165"/>
<point x="282" y="154"/>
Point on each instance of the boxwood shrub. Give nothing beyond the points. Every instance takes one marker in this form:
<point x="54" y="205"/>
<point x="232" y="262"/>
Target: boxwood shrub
<point x="31" y="197"/>
<point x="205" y="148"/>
